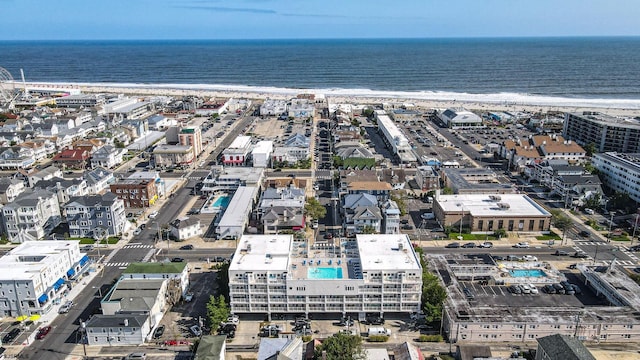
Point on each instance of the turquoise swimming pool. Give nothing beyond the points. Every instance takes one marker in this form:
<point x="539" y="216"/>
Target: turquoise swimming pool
<point x="324" y="273"/>
<point x="527" y="273"/>
<point x="221" y="202"/>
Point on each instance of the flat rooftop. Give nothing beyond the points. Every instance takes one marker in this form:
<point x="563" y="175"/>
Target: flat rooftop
<point x="155" y="268"/>
<point x="240" y="142"/>
<point x="489" y="205"/>
<point x="236" y="213"/>
<point x="605" y="119"/>
<point x="386" y="252"/>
<point x="29" y="258"/>
<point x="262" y="252"/>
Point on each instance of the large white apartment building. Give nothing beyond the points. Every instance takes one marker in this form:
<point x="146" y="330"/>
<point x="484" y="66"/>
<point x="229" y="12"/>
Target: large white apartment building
<point x="397" y="141"/>
<point x="620" y="172"/>
<point x="33" y="275"/>
<point x="606" y="132"/>
<point x="273" y="274"/>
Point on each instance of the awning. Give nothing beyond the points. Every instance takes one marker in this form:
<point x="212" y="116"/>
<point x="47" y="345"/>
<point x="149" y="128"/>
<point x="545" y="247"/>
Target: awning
<point x="22" y="318"/>
<point x="58" y="283"/>
<point x="71" y="272"/>
<point x="43" y="298"/>
<point x="34" y="317"/>
<point x="84" y="260"/>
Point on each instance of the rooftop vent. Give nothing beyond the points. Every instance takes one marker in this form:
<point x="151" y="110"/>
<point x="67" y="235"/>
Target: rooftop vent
<point x="495" y="197"/>
<point x="504" y="206"/>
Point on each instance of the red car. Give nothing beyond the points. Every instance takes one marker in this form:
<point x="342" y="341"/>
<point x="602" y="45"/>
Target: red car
<point x="43" y="332"/>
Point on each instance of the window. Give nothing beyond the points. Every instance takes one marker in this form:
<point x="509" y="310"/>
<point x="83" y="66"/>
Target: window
<point x="531" y="224"/>
<point x="510" y="228"/>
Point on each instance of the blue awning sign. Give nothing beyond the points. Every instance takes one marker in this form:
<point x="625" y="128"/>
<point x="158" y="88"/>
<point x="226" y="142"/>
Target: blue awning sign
<point x="43" y="298"/>
<point x="71" y="272"/>
<point x="58" y="283"/>
<point x="84" y="260"/>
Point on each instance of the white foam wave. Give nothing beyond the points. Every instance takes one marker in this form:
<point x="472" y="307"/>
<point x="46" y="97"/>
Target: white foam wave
<point x="508" y="99"/>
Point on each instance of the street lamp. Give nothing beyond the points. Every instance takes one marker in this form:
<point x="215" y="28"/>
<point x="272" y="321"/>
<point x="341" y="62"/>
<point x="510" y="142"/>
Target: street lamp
<point x="83" y="337"/>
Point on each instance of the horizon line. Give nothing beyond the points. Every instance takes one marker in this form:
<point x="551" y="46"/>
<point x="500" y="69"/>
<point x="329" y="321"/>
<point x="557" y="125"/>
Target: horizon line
<point x="334" y="38"/>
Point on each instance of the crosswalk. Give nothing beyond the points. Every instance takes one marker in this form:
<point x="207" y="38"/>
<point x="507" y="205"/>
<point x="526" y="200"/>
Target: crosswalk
<point x="138" y="246"/>
<point x="621" y="262"/>
<point x="117" y="264"/>
<point x="592" y="243"/>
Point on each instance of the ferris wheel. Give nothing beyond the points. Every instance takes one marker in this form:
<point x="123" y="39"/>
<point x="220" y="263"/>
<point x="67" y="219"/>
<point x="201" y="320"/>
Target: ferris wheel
<point x="7" y="87"/>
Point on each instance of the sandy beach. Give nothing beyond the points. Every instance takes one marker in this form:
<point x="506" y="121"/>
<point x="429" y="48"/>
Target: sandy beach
<point x="431" y="100"/>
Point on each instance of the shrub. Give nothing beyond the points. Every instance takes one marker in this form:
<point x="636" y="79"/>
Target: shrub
<point x="378" y="338"/>
<point x="430" y="338"/>
<point x="306" y="338"/>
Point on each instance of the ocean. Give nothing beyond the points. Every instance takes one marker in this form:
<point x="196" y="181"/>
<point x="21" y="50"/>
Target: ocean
<point x="499" y="69"/>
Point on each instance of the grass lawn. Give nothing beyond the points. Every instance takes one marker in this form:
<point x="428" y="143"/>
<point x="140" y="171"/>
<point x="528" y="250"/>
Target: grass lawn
<point x="90" y="241"/>
<point x="551" y="236"/>
<point x="475" y="237"/>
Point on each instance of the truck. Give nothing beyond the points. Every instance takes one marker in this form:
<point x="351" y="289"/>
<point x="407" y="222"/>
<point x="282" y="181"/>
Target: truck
<point x="378" y="331"/>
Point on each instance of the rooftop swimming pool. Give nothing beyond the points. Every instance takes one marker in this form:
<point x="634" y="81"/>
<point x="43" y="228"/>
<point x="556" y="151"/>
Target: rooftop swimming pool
<point x="324" y="273"/>
<point x="527" y="273"/>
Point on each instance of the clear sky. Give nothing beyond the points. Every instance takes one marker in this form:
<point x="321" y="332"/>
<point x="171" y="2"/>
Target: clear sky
<point x="276" y="19"/>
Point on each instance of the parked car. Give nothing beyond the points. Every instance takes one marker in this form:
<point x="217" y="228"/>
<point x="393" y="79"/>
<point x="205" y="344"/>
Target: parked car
<point x="559" y="288"/>
<point x="137" y="231"/>
<point x="42" y="332"/>
<point x="533" y="288"/>
<point x="453" y="245"/>
<point x="521" y="245"/>
<point x="195" y="330"/>
<point x="11" y="335"/>
<point x="469" y="245"/>
<point x="515" y="289"/>
<point x="177" y="259"/>
<point x="158" y="332"/>
<point x="153" y="214"/>
<point x="188" y="297"/>
<point x="635" y="248"/>
<point x="467" y="292"/>
<point x="529" y="258"/>
<point x="549" y="289"/>
<point x="561" y="253"/>
<point x="186" y="247"/>
<point x="486" y="245"/>
<point x="65" y="307"/>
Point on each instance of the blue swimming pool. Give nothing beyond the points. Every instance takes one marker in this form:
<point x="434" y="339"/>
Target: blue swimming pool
<point x="527" y="273"/>
<point x="324" y="273"/>
<point x="221" y="202"/>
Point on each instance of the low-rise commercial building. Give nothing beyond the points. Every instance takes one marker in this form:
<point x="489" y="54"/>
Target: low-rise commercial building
<point x="273" y="274"/>
<point x="459" y="118"/>
<point x="185" y="228"/>
<point x="33" y="276"/>
<point x="236" y="153"/>
<point x="228" y="179"/>
<point x="136" y="193"/>
<point x="487" y="213"/>
<point x="171" y="156"/>
<point x="236" y="216"/>
<point x="395" y="139"/>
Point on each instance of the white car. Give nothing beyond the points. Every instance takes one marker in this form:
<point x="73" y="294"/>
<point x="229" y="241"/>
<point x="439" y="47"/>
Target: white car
<point x="534" y="289"/>
<point x="195" y="330"/>
<point x="521" y="245"/>
<point x="529" y="258"/>
<point x="153" y="214"/>
<point x="427" y="216"/>
<point x="137" y="231"/>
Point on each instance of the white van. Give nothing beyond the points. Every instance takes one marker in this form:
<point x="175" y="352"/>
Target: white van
<point x="378" y="331"/>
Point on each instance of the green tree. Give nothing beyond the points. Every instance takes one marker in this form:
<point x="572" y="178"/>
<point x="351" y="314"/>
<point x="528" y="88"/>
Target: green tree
<point x="500" y="233"/>
<point x="561" y="221"/>
<point x="368" y="229"/>
<point x="590" y="149"/>
<point x="217" y="311"/>
<point x="222" y="279"/>
<point x="447" y="191"/>
<point x="341" y="347"/>
<point x="397" y="197"/>
<point x="314" y="209"/>
<point x="367" y="112"/>
<point x="433" y="295"/>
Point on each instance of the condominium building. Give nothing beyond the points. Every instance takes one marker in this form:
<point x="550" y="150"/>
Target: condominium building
<point x="273" y="274"/>
<point x="395" y="139"/>
<point x="33" y="276"/>
<point x="608" y="133"/>
<point x="136" y="193"/>
<point x="620" y="172"/>
<point x="170" y="156"/>
<point x="31" y="216"/>
<point x="191" y="136"/>
<point x="96" y="216"/>
<point x="230" y="178"/>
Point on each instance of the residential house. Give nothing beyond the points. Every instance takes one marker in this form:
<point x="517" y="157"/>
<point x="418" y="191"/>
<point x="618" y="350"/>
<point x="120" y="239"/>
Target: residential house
<point x="381" y="190"/>
<point x="574" y="190"/>
<point x="546" y="172"/>
<point x="297" y="140"/>
<point x="390" y="217"/>
<point x="281" y="349"/>
<point x="273" y="107"/>
<point x="96" y="216"/>
<point x="47" y="173"/>
<point x="354" y="205"/>
<point x="301" y="108"/>
<point x="365" y="219"/>
<point x="16" y="157"/>
<point x="41" y="148"/>
<point x="212" y="347"/>
<point x="107" y="157"/>
<point x="282" y="209"/>
<point x="160" y="122"/>
<point x="289" y="155"/>
<point x="31" y="216"/>
<point x="171" y="156"/>
<point x="562" y="347"/>
<point x="10" y="189"/>
<point x="185" y="228"/>
<point x="63" y="188"/>
<point x="135" y="193"/>
<point x="98" y="180"/>
<point x="172" y="271"/>
<point x="72" y="159"/>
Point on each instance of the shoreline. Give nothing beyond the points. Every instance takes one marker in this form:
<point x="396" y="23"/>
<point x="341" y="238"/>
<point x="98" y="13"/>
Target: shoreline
<point x="436" y="100"/>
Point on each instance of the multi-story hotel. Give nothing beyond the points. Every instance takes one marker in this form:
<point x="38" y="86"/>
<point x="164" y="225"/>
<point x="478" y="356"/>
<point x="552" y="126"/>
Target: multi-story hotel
<point x="34" y="275"/>
<point x="378" y="274"/>
<point x="607" y="133"/>
<point x="620" y="172"/>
